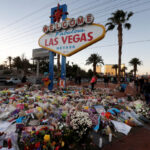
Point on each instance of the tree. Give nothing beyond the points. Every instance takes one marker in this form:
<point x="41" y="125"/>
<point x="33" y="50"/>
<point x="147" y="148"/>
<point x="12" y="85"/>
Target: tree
<point x="21" y="63"/>
<point x="26" y="65"/>
<point x="17" y="62"/>
<point x="94" y="59"/>
<point x="90" y="73"/>
<point x="10" y="60"/>
<point x="116" y="68"/>
<point x="119" y="19"/>
<point x="135" y="62"/>
<point x="131" y="72"/>
<point x="124" y="70"/>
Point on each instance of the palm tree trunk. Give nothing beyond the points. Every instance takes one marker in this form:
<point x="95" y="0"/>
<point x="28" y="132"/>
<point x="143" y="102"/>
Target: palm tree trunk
<point x="10" y="58"/>
<point x="116" y="72"/>
<point x="94" y="69"/>
<point x="120" y="49"/>
<point x="134" y="73"/>
<point x="135" y="69"/>
<point x="9" y="65"/>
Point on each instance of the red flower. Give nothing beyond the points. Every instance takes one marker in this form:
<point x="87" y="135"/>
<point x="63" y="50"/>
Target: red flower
<point x="57" y="148"/>
<point x="51" y="130"/>
<point x="26" y="148"/>
<point x="45" y="128"/>
<point x="9" y="143"/>
<point x="37" y="145"/>
<point x="108" y="115"/>
<point x="37" y="133"/>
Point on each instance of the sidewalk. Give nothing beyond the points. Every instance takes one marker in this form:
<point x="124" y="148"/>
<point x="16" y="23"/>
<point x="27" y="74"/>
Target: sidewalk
<point x="138" y="139"/>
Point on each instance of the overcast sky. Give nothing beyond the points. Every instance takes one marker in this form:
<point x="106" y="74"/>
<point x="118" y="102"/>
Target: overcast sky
<point x="22" y="22"/>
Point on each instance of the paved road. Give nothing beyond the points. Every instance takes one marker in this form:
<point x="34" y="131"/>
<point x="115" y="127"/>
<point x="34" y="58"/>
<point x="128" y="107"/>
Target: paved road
<point x="4" y="86"/>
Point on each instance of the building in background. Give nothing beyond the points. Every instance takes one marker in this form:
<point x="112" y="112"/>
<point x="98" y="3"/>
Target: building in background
<point x="98" y="69"/>
<point x="108" y="70"/>
<point x="40" y="53"/>
<point x="37" y="55"/>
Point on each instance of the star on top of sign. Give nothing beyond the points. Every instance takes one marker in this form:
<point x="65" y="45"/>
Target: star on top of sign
<point x="58" y="14"/>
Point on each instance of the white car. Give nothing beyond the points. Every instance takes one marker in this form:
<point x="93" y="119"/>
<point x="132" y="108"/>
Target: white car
<point x="13" y="81"/>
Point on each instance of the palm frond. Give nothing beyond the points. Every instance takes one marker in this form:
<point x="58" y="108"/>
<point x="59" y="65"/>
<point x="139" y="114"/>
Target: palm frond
<point x="129" y="15"/>
<point x="111" y="19"/>
<point x="127" y="25"/>
<point x="108" y="23"/>
<point x="110" y="27"/>
<point x="94" y="59"/>
<point x="134" y="61"/>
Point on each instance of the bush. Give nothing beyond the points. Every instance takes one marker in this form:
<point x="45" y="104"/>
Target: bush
<point x="7" y="72"/>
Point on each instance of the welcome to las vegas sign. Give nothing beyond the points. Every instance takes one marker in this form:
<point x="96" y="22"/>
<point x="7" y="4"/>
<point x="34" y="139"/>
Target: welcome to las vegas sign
<point x="71" y="36"/>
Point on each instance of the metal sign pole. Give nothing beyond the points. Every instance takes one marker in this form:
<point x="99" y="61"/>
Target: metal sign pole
<point x="63" y="70"/>
<point x="51" y="70"/>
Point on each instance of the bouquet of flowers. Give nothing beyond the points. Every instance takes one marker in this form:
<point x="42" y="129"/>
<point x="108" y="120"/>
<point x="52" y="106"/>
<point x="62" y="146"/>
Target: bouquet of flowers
<point x="41" y="139"/>
<point x="80" y="123"/>
<point x="145" y="111"/>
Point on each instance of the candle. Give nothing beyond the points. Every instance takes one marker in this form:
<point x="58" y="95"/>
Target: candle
<point x="100" y="142"/>
<point x="110" y="137"/>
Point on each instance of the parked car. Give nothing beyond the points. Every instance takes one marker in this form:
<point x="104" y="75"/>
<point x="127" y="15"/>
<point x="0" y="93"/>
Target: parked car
<point x="13" y="80"/>
<point x="3" y="79"/>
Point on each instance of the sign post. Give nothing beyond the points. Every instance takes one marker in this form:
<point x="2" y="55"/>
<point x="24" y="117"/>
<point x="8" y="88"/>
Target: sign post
<point x="69" y="36"/>
<point x="63" y="70"/>
<point x="51" y="70"/>
<point x="56" y="13"/>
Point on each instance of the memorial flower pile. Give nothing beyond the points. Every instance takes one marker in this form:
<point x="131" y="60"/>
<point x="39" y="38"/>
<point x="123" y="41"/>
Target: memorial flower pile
<point x="61" y="120"/>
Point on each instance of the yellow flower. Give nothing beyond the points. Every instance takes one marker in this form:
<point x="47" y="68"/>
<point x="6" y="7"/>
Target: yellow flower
<point x="39" y="109"/>
<point x="62" y="144"/>
<point x="46" y="138"/>
<point x="86" y="107"/>
<point x="32" y="132"/>
<point x="25" y="104"/>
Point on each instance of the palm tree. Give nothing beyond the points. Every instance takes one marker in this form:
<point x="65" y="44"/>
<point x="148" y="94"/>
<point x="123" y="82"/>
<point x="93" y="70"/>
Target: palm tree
<point x="119" y="19"/>
<point x="9" y="59"/>
<point x="135" y="62"/>
<point x="21" y="63"/>
<point x="124" y="70"/>
<point x="116" y="68"/>
<point x="17" y="63"/>
<point x="26" y="65"/>
<point x="131" y="72"/>
<point x="94" y="59"/>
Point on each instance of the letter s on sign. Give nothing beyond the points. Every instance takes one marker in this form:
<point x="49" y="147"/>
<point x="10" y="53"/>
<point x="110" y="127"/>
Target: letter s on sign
<point x="90" y="36"/>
